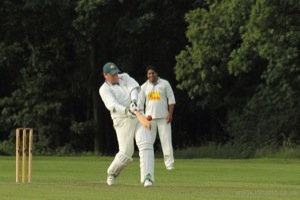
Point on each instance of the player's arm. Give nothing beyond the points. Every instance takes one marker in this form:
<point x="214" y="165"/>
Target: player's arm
<point x="170" y="114"/>
<point x="171" y="102"/>
<point x="142" y="98"/>
<point x="110" y="101"/>
<point x="130" y="82"/>
<point x="134" y="89"/>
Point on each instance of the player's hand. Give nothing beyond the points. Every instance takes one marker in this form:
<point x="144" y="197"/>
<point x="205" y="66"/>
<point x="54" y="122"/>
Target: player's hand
<point x="133" y="106"/>
<point x="128" y="112"/>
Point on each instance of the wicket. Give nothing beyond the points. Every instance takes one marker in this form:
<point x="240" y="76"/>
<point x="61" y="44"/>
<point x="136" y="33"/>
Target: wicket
<point x="24" y="145"/>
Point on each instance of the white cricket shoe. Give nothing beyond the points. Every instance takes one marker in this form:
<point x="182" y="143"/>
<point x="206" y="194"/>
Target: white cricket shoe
<point x="111" y="179"/>
<point x="148" y="183"/>
<point x="170" y="168"/>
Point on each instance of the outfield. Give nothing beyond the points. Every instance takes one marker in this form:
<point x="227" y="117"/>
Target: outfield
<point x="75" y="178"/>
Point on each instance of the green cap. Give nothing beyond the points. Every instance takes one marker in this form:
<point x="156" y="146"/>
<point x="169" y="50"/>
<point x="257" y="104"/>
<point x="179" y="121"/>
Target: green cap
<point x="110" y="68"/>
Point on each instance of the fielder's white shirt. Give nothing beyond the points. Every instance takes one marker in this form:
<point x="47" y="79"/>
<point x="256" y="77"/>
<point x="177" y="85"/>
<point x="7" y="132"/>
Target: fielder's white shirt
<point x="157" y="98"/>
<point x="116" y="97"/>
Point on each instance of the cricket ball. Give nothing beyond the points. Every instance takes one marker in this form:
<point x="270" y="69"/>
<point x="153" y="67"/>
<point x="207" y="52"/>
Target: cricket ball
<point x="149" y="118"/>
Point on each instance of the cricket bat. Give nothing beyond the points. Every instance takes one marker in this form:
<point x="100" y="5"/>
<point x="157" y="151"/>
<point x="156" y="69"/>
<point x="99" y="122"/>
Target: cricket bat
<point x="143" y="120"/>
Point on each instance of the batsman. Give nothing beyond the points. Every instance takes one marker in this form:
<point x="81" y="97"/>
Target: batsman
<point x="119" y="93"/>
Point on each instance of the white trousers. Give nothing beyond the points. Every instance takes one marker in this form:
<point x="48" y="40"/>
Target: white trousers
<point x="165" y="136"/>
<point x="129" y="129"/>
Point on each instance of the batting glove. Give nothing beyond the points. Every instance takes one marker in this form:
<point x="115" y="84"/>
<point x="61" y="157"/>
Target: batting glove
<point x="128" y="112"/>
<point x="133" y="106"/>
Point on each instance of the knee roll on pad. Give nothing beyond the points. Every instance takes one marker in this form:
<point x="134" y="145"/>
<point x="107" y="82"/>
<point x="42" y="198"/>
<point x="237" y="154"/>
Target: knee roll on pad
<point x="145" y="146"/>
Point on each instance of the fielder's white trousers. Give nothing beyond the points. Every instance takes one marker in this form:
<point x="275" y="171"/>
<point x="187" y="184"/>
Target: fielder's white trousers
<point x="165" y="136"/>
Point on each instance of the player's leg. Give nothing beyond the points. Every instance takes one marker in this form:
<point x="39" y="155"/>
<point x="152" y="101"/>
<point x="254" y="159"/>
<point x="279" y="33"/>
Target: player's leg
<point x="119" y="163"/>
<point x="165" y="135"/>
<point x="153" y="130"/>
<point x="125" y="136"/>
<point x="125" y="129"/>
<point x="144" y="143"/>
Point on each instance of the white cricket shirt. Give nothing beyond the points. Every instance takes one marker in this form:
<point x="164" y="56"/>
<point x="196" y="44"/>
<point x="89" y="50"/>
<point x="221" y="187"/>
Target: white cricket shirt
<point x="157" y="98"/>
<point x="116" y="97"/>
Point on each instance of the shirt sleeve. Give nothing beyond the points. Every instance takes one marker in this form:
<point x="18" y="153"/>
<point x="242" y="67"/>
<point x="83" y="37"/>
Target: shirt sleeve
<point x="142" y="98"/>
<point x="131" y="83"/>
<point x="170" y="94"/>
<point x="109" y="99"/>
<point x="134" y="94"/>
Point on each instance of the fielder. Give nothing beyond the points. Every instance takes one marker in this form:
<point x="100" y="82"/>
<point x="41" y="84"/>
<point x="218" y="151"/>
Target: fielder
<point x="158" y="98"/>
<point x="119" y="93"/>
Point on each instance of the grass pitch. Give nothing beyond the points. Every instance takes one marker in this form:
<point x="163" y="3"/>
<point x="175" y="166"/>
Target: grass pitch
<point x="75" y="178"/>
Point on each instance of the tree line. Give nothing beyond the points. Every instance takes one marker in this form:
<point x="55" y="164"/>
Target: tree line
<point x="233" y="65"/>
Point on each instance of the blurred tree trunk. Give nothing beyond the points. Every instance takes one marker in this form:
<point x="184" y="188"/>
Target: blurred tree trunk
<point x="97" y="123"/>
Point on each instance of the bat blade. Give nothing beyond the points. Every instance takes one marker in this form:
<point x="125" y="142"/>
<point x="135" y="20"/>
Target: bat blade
<point x="143" y="120"/>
